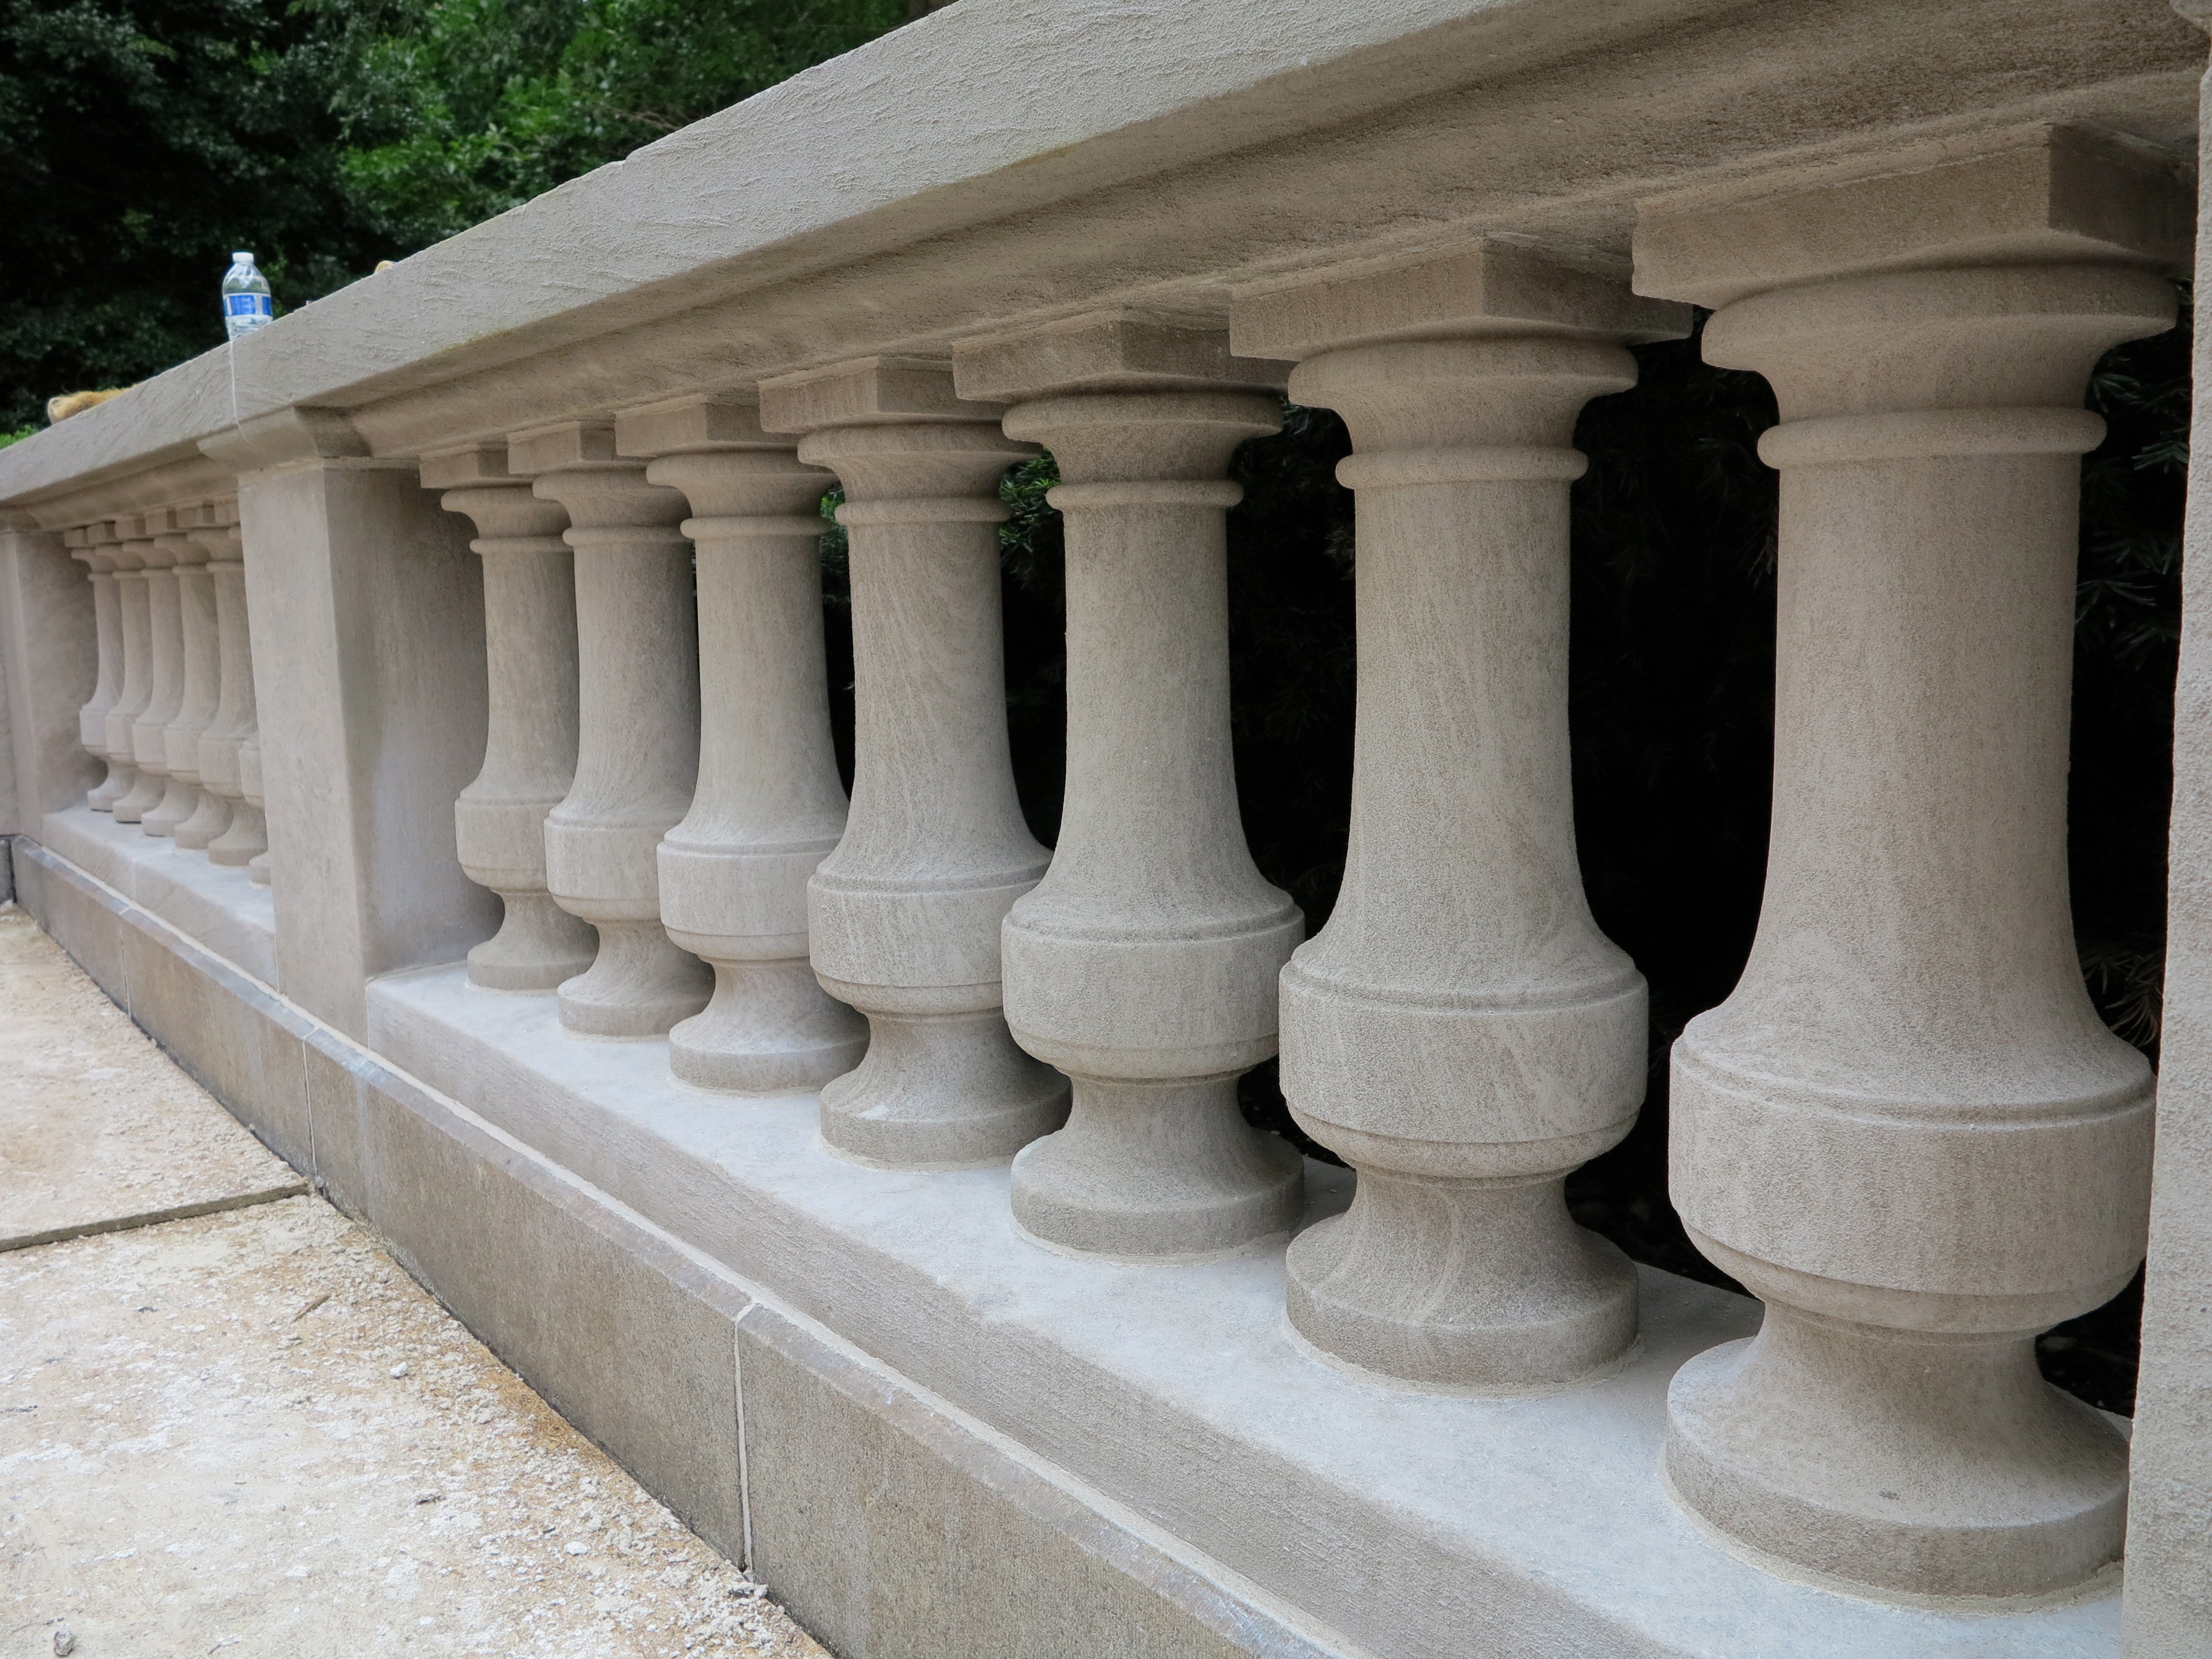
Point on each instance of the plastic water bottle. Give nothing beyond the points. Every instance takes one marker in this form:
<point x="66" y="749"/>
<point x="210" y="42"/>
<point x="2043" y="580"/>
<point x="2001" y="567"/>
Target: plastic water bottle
<point x="245" y="297"/>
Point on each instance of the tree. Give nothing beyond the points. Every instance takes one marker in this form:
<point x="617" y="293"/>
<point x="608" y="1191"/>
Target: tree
<point x="146" y="139"/>
<point x="455" y="110"/>
<point x="149" y="138"/>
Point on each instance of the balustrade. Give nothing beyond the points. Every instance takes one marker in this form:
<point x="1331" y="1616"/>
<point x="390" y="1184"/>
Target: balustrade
<point x="530" y="743"/>
<point x="768" y="805"/>
<point x="1906" y="1131"/>
<point x="129" y="553"/>
<point x="904" y="913"/>
<point x="1143" y="964"/>
<point x="1461" y="1032"/>
<point x="108" y="630"/>
<point x="638" y="747"/>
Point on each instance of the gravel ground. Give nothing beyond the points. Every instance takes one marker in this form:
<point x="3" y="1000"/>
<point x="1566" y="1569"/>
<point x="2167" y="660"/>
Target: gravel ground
<point x="251" y="1433"/>
<point x="96" y="1123"/>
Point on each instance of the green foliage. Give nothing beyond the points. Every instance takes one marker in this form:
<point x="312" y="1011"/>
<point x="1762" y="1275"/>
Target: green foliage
<point x="2127" y="643"/>
<point x="456" y="110"/>
<point x="146" y="140"/>
<point x="149" y="139"/>
<point x="2127" y="640"/>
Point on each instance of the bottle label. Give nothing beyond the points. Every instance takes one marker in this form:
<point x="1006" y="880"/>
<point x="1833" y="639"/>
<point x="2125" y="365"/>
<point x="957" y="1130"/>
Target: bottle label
<point x="246" y="305"/>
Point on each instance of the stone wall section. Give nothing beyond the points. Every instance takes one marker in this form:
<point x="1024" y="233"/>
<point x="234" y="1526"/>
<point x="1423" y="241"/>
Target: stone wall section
<point x="893" y="1526"/>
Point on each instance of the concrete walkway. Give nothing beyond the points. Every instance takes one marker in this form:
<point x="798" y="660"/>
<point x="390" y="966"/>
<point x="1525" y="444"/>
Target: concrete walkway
<point x="248" y="1432"/>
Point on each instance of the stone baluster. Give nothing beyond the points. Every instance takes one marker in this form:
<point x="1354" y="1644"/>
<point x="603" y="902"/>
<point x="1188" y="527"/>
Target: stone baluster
<point x="236" y="728"/>
<point x="768" y="805"/>
<point x="107" y="624"/>
<point x="1144" y="964"/>
<point x="150" y="741"/>
<point x="530" y="742"/>
<point x="1461" y="1032"/>
<point x="1906" y="1130"/>
<point x="904" y="913"/>
<point x="185" y="802"/>
<point x="213" y="526"/>
<point x="637" y="749"/>
<point x="132" y="547"/>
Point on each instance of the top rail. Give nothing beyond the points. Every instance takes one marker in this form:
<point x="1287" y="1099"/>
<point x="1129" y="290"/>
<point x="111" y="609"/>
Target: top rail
<point x="1001" y="162"/>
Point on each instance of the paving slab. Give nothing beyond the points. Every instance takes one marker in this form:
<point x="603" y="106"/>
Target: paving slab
<point x="99" y="1129"/>
<point x="249" y="1433"/>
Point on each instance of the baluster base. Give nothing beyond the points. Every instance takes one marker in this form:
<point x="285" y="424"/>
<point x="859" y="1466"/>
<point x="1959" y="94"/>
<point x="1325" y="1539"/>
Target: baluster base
<point x="197" y="832"/>
<point x="1921" y="1462"/>
<point x="770" y="1028"/>
<point x="539" y="946"/>
<point x="941" y="1091"/>
<point x="245" y="840"/>
<point x="638" y="986"/>
<point x="1149" y="1170"/>
<point x="143" y="796"/>
<point x="1463" y="1282"/>
<point x="179" y="802"/>
<point x="257" y="869"/>
<point x="110" y="789"/>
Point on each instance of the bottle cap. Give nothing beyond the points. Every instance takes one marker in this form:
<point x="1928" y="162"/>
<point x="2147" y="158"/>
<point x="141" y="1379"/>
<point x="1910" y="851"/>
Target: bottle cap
<point x="243" y="259"/>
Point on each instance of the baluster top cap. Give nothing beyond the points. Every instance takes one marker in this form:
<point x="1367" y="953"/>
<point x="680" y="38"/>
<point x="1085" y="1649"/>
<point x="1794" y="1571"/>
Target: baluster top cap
<point x="1492" y="288"/>
<point x="1110" y="352"/>
<point x="701" y="423"/>
<point x="563" y="445"/>
<point x="870" y="391"/>
<point x="2035" y="194"/>
<point x="475" y="464"/>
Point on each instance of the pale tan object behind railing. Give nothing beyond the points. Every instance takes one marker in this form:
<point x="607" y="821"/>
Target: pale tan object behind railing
<point x="76" y="403"/>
